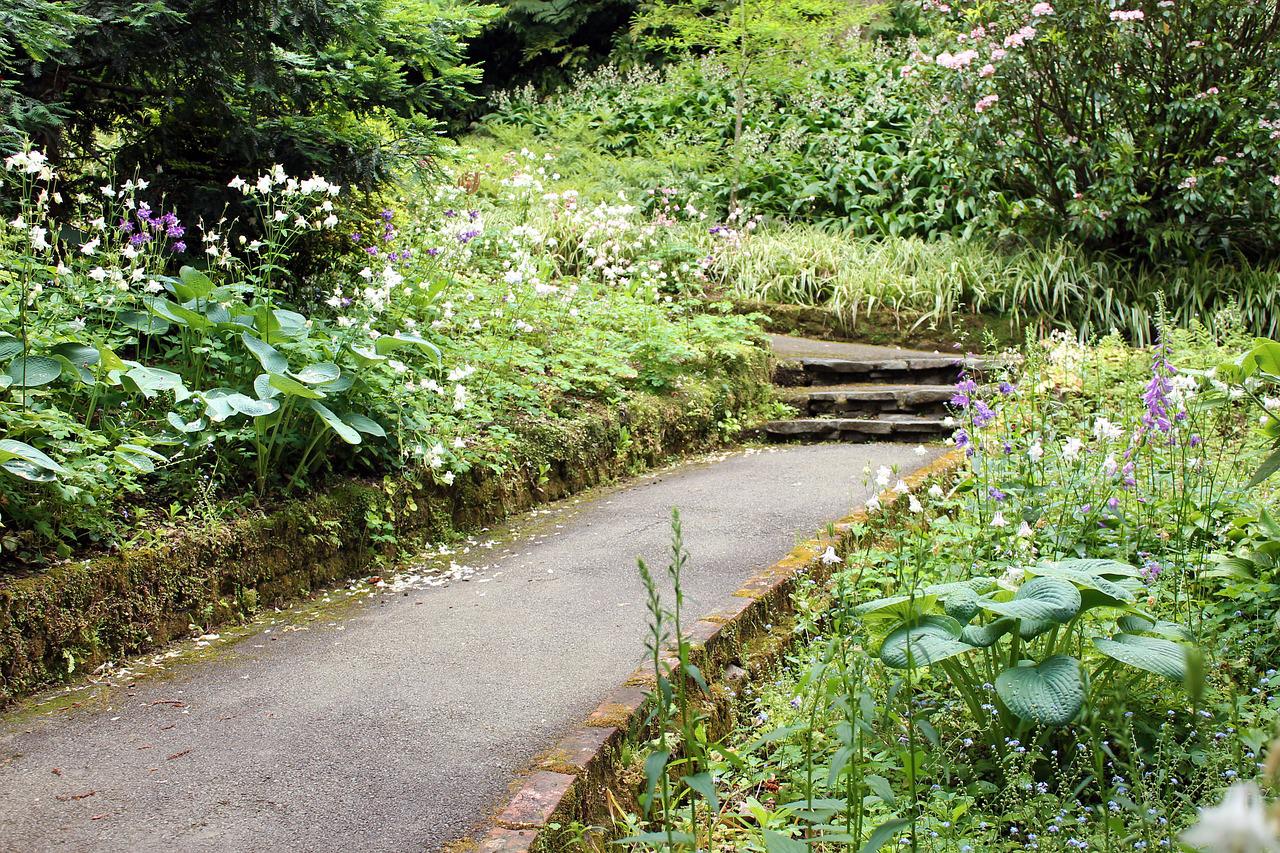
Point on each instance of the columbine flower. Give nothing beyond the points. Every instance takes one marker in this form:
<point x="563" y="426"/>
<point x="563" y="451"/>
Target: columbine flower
<point x="1071" y="449"/>
<point x="914" y="505"/>
<point x="882" y="476"/>
<point x="1238" y="825"/>
<point x="935" y="491"/>
<point x="901" y="487"/>
<point x="830" y="557"/>
<point x="1025" y="531"/>
<point x="1012" y="577"/>
<point x="998" y="520"/>
<point x="873" y="505"/>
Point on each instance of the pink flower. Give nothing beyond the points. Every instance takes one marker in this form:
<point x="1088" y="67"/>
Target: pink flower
<point x="1127" y="15"/>
<point x="1041" y="10"/>
<point x="956" y="61"/>
<point x="985" y="103"/>
<point x="998" y="54"/>
<point x="1219" y="160"/>
<point x="1189" y="183"/>
<point x="978" y="32"/>
<point x="987" y="70"/>
<point x="1195" y="43"/>
<point x="1275" y="179"/>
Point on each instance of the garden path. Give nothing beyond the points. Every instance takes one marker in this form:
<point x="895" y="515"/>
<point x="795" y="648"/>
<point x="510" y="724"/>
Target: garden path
<point x="397" y="722"/>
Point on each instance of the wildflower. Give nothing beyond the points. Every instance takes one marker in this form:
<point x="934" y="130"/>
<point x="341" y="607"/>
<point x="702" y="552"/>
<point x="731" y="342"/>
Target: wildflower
<point x="982" y="414"/>
<point x="1071" y="448"/>
<point x="1105" y="430"/>
<point x="448" y="478"/>
<point x="1239" y="824"/>
<point x="873" y="504"/>
<point x="901" y="487"/>
<point x="1025" y="531"/>
<point x="1156" y="395"/>
<point x="1012" y="577"/>
<point x="1036" y="451"/>
<point x="935" y="491"/>
<point x="985" y="103"/>
<point x="1042" y="10"/>
<point x="998" y="520"/>
<point x="882" y="476"/>
<point x="830" y="557"/>
<point x="914" y="505"/>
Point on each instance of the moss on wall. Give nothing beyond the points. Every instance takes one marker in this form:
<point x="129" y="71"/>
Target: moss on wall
<point x="75" y="615"/>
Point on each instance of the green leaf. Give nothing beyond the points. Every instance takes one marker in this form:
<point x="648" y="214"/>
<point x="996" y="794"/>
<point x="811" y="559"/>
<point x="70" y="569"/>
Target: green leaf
<point x="186" y="427"/>
<point x="366" y="355"/>
<point x="961" y="604"/>
<point x="390" y="343"/>
<point x="139" y="458"/>
<point x="318" y="374"/>
<point x="9" y="347"/>
<point x="360" y="423"/>
<point x="1097" y="566"/>
<point x="1041" y="598"/>
<point x="111" y="361"/>
<point x="985" y="636"/>
<point x="27" y="471"/>
<point x="33" y="371"/>
<point x="175" y="313"/>
<point x="883" y="833"/>
<point x="706" y="786"/>
<point x="653" y="839"/>
<point x="11" y="449"/>
<point x="1265" y="470"/>
<point x="333" y="422"/>
<point x="293" y="387"/>
<point x="195" y="284"/>
<point x="1150" y="654"/>
<point x="147" y="324"/>
<point x="881" y="788"/>
<point x="934" y="639"/>
<point x="776" y="842"/>
<point x="269" y="357"/>
<point x="246" y="405"/>
<point x="1069" y="570"/>
<point x="80" y="355"/>
<point x="1050" y="693"/>
<point x="654" y="766"/>
<point x="150" y="381"/>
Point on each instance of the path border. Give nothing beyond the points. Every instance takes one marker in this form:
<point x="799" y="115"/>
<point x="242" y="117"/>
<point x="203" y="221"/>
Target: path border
<point x="572" y="780"/>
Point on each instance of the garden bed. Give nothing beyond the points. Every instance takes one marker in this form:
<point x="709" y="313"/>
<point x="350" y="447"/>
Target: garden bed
<point x="77" y="614"/>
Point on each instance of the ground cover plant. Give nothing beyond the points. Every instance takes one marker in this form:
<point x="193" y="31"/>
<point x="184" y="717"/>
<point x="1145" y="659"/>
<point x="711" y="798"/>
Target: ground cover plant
<point x="144" y="354"/>
<point x="1067" y="644"/>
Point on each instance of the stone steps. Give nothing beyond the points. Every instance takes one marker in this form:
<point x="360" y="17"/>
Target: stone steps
<point x="861" y="393"/>
<point x="857" y="430"/>
<point x="869" y="400"/>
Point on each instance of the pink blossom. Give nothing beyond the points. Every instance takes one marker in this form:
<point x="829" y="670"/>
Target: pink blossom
<point x="985" y="103"/>
<point x="1189" y="183"/>
<point x="1195" y="43"/>
<point x="1127" y="15"/>
<point x="987" y="70"/>
<point x="1041" y="10"/>
<point x="1275" y="179"/>
<point x="1219" y="160"/>
<point x="956" y="61"/>
<point x="998" y="54"/>
<point x="978" y="32"/>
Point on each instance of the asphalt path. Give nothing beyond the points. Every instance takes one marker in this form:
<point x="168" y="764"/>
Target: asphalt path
<point x="396" y="718"/>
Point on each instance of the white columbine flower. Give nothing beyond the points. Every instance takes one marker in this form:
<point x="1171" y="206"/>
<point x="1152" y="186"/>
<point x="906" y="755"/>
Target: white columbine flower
<point x="1105" y="430"/>
<point x="882" y="476"/>
<point x="1071" y="448"/>
<point x="830" y="557"/>
<point x="998" y="520"/>
<point x="1025" y="531"/>
<point x="1238" y="825"/>
<point x="913" y="504"/>
<point x="1036" y="452"/>
<point x="98" y="274"/>
<point x="936" y="492"/>
<point x="873" y="505"/>
<point x="901" y="487"/>
<point x="1012" y="577"/>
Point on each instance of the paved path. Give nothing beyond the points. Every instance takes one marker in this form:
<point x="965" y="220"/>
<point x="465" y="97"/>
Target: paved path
<point x="786" y="346"/>
<point x="397" y="723"/>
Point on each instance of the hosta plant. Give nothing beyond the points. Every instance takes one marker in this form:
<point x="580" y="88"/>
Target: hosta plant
<point x="1038" y="644"/>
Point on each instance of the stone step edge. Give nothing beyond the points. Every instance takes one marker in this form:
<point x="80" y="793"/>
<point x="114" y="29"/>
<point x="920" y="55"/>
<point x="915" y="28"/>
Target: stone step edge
<point x="870" y="426"/>
<point x="562" y="784"/>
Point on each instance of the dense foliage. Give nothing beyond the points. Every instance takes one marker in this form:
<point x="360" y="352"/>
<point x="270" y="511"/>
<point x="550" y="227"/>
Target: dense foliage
<point x="352" y="89"/>
<point x="418" y="353"/>
<point x="1077" y="649"/>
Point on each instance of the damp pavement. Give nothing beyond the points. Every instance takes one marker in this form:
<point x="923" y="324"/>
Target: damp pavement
<point x="399" y="721"/>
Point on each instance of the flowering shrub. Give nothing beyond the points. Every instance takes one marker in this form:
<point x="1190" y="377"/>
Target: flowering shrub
<point x="1149" y="127"/>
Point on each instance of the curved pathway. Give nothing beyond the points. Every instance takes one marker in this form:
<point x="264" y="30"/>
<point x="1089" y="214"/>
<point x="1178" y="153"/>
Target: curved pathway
<point x="398" y="722"/>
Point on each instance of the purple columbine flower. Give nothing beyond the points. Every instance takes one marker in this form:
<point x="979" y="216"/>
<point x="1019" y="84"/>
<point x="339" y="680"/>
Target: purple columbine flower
<point x="995" y="493"/>
<point x="386" y="215"/>
<point x="1196" y="440"/>
<point x="982" y="414"/>
<point x="140" y="238"/>
<point x="450" y="213"/>
<point x="1113" y="502"/>
<point x="473" y="215"/>
<point x="433" y="251"/>
<point x="962" y="438"/>
<point x="371" y="250"/>
<point x="468" y="236"/>
<point x="179" y="247"/>
<point x="126" y="226"/>
<point x="355" y="237"/>
<point x="1006" y="388"/>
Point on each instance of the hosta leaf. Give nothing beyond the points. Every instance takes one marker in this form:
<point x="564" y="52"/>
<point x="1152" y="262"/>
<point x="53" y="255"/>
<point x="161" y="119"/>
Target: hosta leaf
<point x="984" y="636"/>
<point x="139" y="458"/>
<point x="80" y="355"/>
<point x="10" y="449"/>
<point x="366" y="355"/>
<point x="368" y="426"/>
<point x="1050" y="693"/>
<point x="335" y="423"/>
<point x="27" y="471"/>
<point x="150" y="381"/>
<point x="148" y="324"/>
<point x="193" y="284"/>
<point x="1136" y="624"/>
<point x="263" y="388"/>
<point x="175" y="313"/>
<point x="269" y="357"/>
<point x="1041" y="598"/>
<point x="318" y="374"/>
<point x="9" y="347"/>
<point x="337" y="386"/>
<point x="776" y="842"/>
<point x="1094" y="566"/>
<point x="961" y="604"/>
<point x="293" y="387"/>
<point x="1151" y="654"/>
<point x="249" y="406"/>
<point x="1081" y="577"/>
<point x="934" y="639"/>
<point x="902" y="607"/>
<point x="216" y="405"/>
<point x="390" y="343"/>
<point x="33" y="371"/>
<point x="883" y="833"/>
<point x="175" y="420"/>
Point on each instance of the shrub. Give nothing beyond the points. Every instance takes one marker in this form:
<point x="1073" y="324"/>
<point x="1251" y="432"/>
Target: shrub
<point x="1147" y="127"/>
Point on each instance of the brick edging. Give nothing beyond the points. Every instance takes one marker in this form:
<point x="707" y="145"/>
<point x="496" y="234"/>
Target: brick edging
<point x="562" y="783"/>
